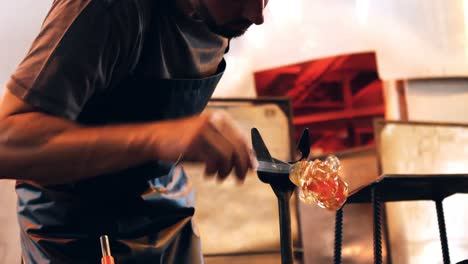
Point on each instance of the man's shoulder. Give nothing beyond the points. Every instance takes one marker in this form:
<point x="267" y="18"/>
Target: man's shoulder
<point x="77" y="12"/>
<point x="77" y="6"/>
<point x="125" y="3"/>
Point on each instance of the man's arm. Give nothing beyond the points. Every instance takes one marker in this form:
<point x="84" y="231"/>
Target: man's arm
<point x="46" y="149"/>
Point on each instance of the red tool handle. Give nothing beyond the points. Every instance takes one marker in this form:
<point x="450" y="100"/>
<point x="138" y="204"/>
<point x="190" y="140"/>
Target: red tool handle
<point x="107" y="260"/>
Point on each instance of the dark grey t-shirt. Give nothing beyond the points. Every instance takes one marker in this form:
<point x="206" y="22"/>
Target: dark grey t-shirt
<point x="86" y="47"/>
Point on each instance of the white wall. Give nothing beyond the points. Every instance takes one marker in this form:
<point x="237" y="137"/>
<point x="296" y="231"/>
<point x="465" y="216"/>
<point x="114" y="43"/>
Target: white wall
<point x="19" y="22"/>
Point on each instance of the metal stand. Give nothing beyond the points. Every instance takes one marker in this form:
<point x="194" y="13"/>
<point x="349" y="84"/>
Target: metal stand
<point x="338" y="236"/>
<point x="442" y="231"/>
<point x="377" y="206"/>
<point x="285" y="223"/>
<point x="283" y="189"/>
<point x="276" y="174"/>
<point x="401" y="187"/>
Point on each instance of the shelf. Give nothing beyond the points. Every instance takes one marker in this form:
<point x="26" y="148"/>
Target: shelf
<point x="337" y="115"/>
<point x="336" y="97"/>
<point x="371" y="91"/>
<point x="321" y="105"/>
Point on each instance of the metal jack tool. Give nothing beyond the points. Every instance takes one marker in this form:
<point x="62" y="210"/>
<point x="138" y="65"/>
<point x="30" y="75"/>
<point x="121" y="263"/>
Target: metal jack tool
<point x="276" y="173"/>
<point x="106" y="253"/>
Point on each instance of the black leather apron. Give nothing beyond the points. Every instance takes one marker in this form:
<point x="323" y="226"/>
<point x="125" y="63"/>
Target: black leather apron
<point x="146" y="211"/>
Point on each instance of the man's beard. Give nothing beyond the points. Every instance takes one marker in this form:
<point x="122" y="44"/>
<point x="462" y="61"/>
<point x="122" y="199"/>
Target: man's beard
<point x="232" y="30"/>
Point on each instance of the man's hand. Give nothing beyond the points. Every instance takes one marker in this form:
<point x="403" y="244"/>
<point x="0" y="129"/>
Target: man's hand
<point x="213" y="138"/>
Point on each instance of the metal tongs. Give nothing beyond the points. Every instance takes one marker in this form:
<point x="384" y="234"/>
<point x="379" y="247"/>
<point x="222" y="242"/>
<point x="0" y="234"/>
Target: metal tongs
<point x="276" y="173"/>
<point x="266" y="163"/>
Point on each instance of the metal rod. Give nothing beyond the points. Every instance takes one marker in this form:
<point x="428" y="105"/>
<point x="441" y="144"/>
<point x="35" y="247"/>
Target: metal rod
<point x="377" y="206"/>
<point x="386" y="235"/>
<point x="442" y="231"/>
<point x="285" y="227"/>
<point x="338" y="236"/>
<point x="105" y="246"/>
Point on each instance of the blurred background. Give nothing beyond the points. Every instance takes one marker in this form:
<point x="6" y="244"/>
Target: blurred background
<point x="341" y="64"/>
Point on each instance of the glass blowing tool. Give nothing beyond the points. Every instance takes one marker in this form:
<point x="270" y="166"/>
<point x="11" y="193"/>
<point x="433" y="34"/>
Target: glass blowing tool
<point x="106" y="253"/>
<point x="319" y="182"/>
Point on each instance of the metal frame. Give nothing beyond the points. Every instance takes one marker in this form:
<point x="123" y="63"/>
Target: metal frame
<point x="438" y="202"/>
<point x="380" y="220"/>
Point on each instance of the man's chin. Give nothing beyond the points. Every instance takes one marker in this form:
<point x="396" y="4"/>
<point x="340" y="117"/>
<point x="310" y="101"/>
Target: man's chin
<point x="233" y="34"/>
<point x="230" y="33"/>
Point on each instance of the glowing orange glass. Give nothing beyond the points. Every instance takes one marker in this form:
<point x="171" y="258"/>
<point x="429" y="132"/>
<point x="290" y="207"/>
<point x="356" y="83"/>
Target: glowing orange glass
<point x="320" y="182"/>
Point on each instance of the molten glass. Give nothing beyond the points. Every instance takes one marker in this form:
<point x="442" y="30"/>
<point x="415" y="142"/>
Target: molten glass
<point x="320" y="182"/>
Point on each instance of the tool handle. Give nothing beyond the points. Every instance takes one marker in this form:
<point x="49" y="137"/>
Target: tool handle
<point x="107" y="260"/>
